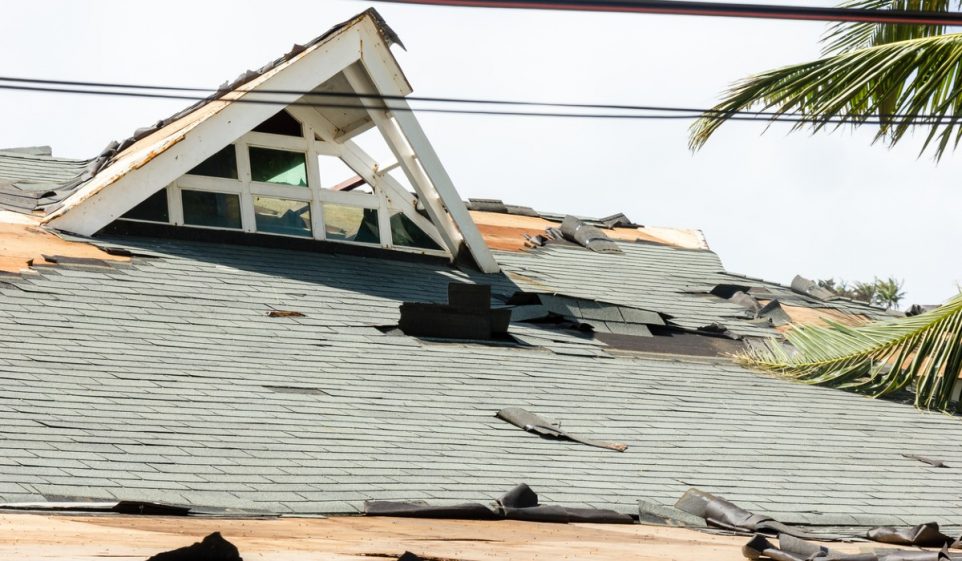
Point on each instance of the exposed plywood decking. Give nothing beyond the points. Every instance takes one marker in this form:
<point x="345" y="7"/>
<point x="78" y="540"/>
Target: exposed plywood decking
<point x="506" y="232"/>
<point x="81" y="538"/>
<point x="818" y="316"/>
<point x="22" y="243"/>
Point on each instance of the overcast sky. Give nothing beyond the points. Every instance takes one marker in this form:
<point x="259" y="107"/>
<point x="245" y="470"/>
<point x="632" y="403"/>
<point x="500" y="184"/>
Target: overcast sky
<point x="772" y="205"/>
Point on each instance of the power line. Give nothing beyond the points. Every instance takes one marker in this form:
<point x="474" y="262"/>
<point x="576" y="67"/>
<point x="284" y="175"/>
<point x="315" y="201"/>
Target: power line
<point x="638" y="112"/>
<point x="719" y="9"/>
<point x="471" y="101"/>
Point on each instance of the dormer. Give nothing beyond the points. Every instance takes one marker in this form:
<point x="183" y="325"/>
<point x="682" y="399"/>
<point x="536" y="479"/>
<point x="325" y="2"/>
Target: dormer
<point x="318" y="145"/>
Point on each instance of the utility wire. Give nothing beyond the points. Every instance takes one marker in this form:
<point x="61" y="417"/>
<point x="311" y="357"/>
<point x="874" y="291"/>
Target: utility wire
<point x="721" y="9"/>
<point x="471" y="101"/>
<point x="638" y="112"/>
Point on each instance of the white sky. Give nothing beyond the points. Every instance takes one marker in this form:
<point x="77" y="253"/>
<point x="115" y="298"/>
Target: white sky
<point x="771" y="205"/>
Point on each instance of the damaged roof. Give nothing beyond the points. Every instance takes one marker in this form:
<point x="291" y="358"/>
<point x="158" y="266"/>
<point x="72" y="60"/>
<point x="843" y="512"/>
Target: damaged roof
<point x="34" y="180"/>
<point x="229" y="373"/>
<point x="166" y="379"/>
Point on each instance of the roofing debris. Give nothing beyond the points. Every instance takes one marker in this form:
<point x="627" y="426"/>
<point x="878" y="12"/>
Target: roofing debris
<point x="520" y="230"/>
<point x="582" y="313"/>
<point x="496" y="205"/>
<point x="547" y="429"/>
<point x="720" y="513"/>
<point x="520" y="503"/>
<point x="811" y="288"/>
<point x="586" y="235"/>
<point x="467" y="315"/>
<point x="31" y="179"/>
<point x="212" y="548"/>
<point x="794" y="549"/>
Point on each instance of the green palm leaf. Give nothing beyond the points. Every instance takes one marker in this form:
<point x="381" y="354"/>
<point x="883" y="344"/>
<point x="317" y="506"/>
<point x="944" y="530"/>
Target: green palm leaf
<point x="843" y="37"/>
<point x="877" y="358"/>
<point x="915" y="82"/>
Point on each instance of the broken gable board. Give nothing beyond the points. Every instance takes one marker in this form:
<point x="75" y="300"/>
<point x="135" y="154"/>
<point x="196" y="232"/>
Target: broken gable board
<point x="161" y="158"/>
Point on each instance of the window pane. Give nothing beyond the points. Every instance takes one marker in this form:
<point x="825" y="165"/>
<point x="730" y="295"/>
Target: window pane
<point x="351" y="223"/>
<point x="154" y="208"/>
<point x="221" y="164"/>
<point x="281" y="216"/>
<point x="278" y="166"/>
<point x="338" y="176"/>
<point x="281" y="123"/>
<point x="406" y="233"/>
<point x="211" y="209"/>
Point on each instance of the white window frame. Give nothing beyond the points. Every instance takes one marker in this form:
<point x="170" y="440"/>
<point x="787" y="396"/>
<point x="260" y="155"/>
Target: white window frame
<point x="387" y="204"/>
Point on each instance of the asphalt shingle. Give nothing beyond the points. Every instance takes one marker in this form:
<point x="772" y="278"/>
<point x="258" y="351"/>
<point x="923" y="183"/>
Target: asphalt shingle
<point x="166" y="380"/>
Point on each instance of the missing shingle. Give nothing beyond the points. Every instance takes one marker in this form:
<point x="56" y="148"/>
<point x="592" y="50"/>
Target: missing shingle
<point x="468" y="315"/>
<point x="297" y="390"/>
<point x="285" y="314"/>
<point x="726" y="291"/>
<point x="78" y="262"/>
<point x="931" y="461"/>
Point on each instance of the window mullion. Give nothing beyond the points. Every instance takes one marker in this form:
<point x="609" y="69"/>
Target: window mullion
<point x="175" y="210"/>
<point x="314" y="183"/>
<point x="248" y="219"/>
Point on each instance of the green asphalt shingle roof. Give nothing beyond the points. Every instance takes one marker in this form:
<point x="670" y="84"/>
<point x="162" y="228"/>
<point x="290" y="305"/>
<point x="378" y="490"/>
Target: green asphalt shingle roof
<point x="164" y="380"/>
<point x="31" y="181"/>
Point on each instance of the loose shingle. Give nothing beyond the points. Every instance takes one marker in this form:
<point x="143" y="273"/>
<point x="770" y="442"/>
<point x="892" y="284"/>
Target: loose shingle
<point x="173" y="362"/>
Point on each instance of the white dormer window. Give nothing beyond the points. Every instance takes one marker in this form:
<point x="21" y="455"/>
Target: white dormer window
<point x="280" y="153"/>
<point x="280" y="180"/>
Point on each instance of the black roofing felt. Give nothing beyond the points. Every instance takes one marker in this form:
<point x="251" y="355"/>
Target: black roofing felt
<point x="166" y="379"/>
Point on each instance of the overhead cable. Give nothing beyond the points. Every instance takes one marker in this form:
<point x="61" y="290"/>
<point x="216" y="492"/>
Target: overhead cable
<point x="720" y="9"/>
<point x="627" y="112"/>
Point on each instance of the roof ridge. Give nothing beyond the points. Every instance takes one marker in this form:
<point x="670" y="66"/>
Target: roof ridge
<point x="26" y="156"/>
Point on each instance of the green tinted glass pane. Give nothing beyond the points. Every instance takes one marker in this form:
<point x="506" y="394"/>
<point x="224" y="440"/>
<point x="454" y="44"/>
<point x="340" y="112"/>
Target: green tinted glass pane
<point x="406" y="233"/>
<point x="351" y="223"/>
<point x="278" y="166"/>
<point x="221" y="164"/>
<point x="154" y="208"/>
<point x="211" y="209"/>
<point x="282" y="216"/>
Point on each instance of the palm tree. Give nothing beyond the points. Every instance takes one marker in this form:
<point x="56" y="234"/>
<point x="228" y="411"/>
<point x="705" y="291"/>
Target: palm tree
<point x="889" y="293"/>
<point x="898" y="78"/>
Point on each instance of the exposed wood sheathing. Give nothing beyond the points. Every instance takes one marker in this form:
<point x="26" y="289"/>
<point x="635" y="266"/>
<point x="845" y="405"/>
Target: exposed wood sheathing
<point x="507" y="232"/>
<point x="818" y="316"/>
<point x="123" y="538"/>
<point x="22" y="243"/>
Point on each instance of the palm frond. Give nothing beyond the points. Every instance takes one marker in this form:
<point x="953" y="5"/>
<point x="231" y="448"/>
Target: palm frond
<point x="842" y="37"/>
<point x="877" y="358"/>
<point x="913" y="83"/>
